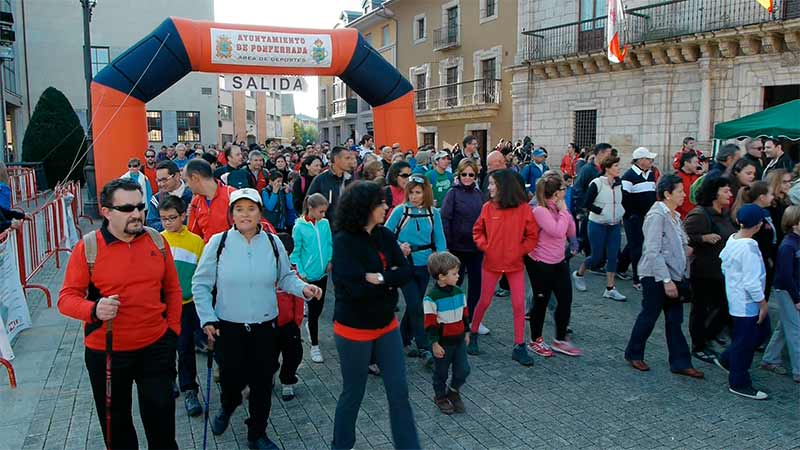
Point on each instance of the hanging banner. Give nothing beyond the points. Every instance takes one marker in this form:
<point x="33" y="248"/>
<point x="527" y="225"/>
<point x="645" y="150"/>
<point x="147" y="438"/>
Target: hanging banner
<point x="13" y="306"/>
<point x="260" y="48"/>
<point x="269" y="83"/>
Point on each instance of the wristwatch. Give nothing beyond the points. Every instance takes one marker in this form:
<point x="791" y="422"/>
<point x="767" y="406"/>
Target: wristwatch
<point x="667" y="281"/>
<point x="380" y="278"/>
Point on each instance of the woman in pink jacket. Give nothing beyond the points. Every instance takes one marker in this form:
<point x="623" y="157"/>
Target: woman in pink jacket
<point x="548" y="268"/>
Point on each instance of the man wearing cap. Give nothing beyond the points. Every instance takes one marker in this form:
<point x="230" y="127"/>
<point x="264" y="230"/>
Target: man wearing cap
<point x="638" y="196"/>
<point x="441" y="180"/>
<point x="533" y="171"/>
<point x="246" y="265"/>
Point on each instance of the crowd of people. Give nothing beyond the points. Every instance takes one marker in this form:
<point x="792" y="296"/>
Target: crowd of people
<point x="251" y="239"/>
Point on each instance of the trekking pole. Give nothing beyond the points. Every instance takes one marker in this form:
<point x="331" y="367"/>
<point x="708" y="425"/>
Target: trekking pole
<point x="209" y="364"/>
<point x="109" y="349"/>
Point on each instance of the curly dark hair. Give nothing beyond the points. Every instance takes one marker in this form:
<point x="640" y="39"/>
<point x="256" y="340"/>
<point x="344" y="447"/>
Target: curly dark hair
<point x="307" y="162"/>
<point x="394" y="171"/>
<point x="356" y="204"/>
<point x="709" y="190"/>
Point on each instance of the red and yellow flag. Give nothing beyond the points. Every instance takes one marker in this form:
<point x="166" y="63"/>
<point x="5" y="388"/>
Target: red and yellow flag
<point x="768" y="4"/>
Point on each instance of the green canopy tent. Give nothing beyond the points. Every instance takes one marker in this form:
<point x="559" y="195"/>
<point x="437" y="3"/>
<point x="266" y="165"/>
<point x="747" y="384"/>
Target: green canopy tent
<point x="782" y="121"/>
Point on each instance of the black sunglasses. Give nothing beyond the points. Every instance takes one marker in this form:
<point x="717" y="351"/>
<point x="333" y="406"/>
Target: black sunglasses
<point x="468" y="175"/>
<point x="404" y="175"/>
<point x="128" y="208"/>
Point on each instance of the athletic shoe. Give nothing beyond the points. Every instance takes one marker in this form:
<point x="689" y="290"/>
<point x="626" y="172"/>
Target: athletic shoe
<point x="262" y="443"/>
<point x="192" y="404"/>
<point x="412" y="351"/>
<point x="520" y="355"/>
<point x="316" y="354"/>
<point x="597" y="271"/>
<point x="472" y="347"/>
<point x="501" y="292"/>
<point x="637" y="286"/>
<point x="287" y="393"/>
<point x="705" y="356"/>
<point x="427" y="357"/>
<point x="580" y="282"/>
<point x="373" y="369"/>
<point x="540" y="348"/>
<point x="749" y="392"/>
<point x="455" y="399"/>
<point x="220" y="423"/>
<point x="483" y="331"/>
<point x="444" y="405"/>
<point x="624" y="276"/>
<point x="719" y="364"/>
<point x="775" y="368"/>
<point x="566" y="347"/>
<point x="614" y="294"/>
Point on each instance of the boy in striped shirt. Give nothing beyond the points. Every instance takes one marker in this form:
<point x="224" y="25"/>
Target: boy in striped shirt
<point x="445" y="323"/>
<point x="186" y="250"/>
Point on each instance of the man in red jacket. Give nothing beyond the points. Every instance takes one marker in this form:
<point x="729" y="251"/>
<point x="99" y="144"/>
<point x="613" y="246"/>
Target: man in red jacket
<point x="132" y="281"/>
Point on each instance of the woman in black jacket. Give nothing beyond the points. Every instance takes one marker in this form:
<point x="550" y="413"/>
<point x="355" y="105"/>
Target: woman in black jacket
<point x="309" y="169"/>
<point x="368" y="268"/>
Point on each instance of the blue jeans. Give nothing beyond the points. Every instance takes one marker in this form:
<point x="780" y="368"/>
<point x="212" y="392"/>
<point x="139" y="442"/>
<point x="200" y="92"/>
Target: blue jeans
<point x="412" y="325"/>
<point x="605" y="241"/>
<point x="187" y="365"/>
<point x="654" y="300"/>
<point x="746" y="336"/>
<point x="354" y="358"/>
<point x="787" y="333"/>
<point x="455" y="356"/>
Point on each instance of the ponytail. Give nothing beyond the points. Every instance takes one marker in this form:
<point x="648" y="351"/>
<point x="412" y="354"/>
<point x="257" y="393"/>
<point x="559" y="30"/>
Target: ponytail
<point x="314" y="201"/>
<point x="749" y="194"/>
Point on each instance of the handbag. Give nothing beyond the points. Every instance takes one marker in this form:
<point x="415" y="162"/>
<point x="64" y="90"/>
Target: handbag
<point x="685" y="293"/>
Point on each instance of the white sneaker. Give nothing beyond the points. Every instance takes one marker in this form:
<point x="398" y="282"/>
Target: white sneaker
<point x="580" y="282"/>
<point x="614" y="294"/>
<point x="482" y="330"/>
<point x="316" y="354"/>
<point x="287" y="393"/>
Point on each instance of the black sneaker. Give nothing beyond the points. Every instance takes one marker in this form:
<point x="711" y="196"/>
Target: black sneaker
<point x="192" y="404"/>
<point x="597" y="270"/>
<point x="705" y="356"/>
<point x="501" y="292"/>
<point x="220" y="423"/>
<point x="262" y="443"/>
<point x="749" y="392"/>
<point x="623" y="276"/>
<point x="722" y="366"/>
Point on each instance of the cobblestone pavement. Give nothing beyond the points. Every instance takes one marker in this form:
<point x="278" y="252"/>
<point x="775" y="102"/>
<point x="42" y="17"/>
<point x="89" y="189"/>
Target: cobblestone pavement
<point x="594" y="401"/>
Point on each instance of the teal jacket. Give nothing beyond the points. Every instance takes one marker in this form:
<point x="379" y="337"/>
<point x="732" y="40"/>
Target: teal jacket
<point x="313" y="248"/>
<point x="422" y="231"/>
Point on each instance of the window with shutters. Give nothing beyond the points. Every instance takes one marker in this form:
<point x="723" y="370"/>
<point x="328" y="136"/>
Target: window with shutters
<point x="585" y="132"/>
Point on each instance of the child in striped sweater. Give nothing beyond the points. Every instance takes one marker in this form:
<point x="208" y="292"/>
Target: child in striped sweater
<point x="445" y="324"/>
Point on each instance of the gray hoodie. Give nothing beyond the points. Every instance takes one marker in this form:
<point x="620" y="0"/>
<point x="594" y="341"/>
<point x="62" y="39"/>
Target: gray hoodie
<point x="665" y="244"/>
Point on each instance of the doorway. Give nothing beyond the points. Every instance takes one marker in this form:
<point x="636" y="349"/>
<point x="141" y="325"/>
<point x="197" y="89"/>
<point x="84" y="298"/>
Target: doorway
<point x="482" y="137"/>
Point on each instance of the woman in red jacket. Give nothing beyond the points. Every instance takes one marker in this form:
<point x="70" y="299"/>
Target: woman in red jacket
<point x="505" y="231"/>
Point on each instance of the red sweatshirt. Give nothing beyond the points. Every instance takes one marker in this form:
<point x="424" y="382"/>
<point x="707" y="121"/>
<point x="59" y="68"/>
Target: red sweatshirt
<point x="290" y="308"/>
<point x="140" y="275"/>
<point x="504" y="236"/>
<point x="207" y="220"/>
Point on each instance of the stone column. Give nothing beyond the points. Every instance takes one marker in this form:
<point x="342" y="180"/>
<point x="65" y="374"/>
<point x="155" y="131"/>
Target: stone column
<point x="704" y="130"/>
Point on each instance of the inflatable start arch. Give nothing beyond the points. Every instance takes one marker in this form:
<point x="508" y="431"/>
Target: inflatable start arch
<point x="180" y="46"/>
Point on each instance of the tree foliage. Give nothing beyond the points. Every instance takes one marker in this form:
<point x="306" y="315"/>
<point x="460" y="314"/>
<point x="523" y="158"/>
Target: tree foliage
<point x="305" y="134"/>
<point x="55" y="137"/>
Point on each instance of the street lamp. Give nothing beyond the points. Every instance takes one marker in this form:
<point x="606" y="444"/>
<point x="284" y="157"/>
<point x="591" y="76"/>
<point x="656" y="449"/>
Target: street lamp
<point x="90" y="208"/>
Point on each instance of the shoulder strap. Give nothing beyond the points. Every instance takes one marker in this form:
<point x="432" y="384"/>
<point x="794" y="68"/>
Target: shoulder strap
<point x="158" y="239"/>
<point x="221" y="245"/>
<point x="90" y="249"/>
<point x="277" y="257"/>
<point x="402" y="221"/>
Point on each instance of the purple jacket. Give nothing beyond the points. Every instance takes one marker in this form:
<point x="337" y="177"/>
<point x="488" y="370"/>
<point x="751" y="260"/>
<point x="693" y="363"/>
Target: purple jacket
<point x="460" y="210"/>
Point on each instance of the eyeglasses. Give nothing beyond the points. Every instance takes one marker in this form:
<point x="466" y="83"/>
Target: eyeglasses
<point x="404" y="175"/>
<point x="468" y="175"/>
<point x="128" y="208"/>
<point x="164" y="180"/>
<point x="169" y="219"/>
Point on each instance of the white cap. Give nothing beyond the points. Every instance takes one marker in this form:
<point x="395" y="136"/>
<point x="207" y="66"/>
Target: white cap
<point x="642" y="152"/>
<point x="248" y="193"/>
<point x="441" y="154"/>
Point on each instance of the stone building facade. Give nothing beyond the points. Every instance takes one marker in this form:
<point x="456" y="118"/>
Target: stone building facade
<point x="690" y="64"/>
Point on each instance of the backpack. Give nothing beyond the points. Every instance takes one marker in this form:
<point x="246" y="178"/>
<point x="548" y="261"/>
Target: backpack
<point x="90" y="249"/>
<point x="407" y="215"/>
<point x="221" y="247"/>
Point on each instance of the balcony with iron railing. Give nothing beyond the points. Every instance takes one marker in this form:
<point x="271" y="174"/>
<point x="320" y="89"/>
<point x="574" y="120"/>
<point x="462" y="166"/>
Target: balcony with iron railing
<point x="653" y="23"/>
<point x="447" y="37"/>
<point x="458" y="96"/>
<point x="344" y="106"/>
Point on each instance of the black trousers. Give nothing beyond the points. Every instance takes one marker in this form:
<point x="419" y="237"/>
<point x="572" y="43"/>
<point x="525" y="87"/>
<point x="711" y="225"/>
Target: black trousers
<point x="247" y="358"/>
<point x="290" y="349"/>
<point x="547" y="279"/>
<point x="153" y="370"/>
<point x="315" y="310"/>
<point x="471" y="265"/>
<point x="709" y="314"/>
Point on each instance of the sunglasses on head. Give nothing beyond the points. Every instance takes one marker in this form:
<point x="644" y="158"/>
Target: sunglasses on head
<point x="128" y="208"/>
<point x="417" y="179"/>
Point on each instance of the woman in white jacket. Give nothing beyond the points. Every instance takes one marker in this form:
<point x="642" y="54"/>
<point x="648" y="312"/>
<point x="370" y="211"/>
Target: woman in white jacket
<point x="603" y="200"/>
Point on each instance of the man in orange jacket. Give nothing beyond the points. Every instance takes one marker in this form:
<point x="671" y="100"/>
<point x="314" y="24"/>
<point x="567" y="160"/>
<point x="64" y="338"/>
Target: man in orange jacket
<point x="123" y="272"/>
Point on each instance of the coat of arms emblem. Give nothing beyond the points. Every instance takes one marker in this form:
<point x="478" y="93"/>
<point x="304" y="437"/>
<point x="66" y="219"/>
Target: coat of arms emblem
<point x="224" y="47"/>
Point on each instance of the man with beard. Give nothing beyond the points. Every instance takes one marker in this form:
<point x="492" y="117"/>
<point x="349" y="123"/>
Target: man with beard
<point x="125" y="272"/>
